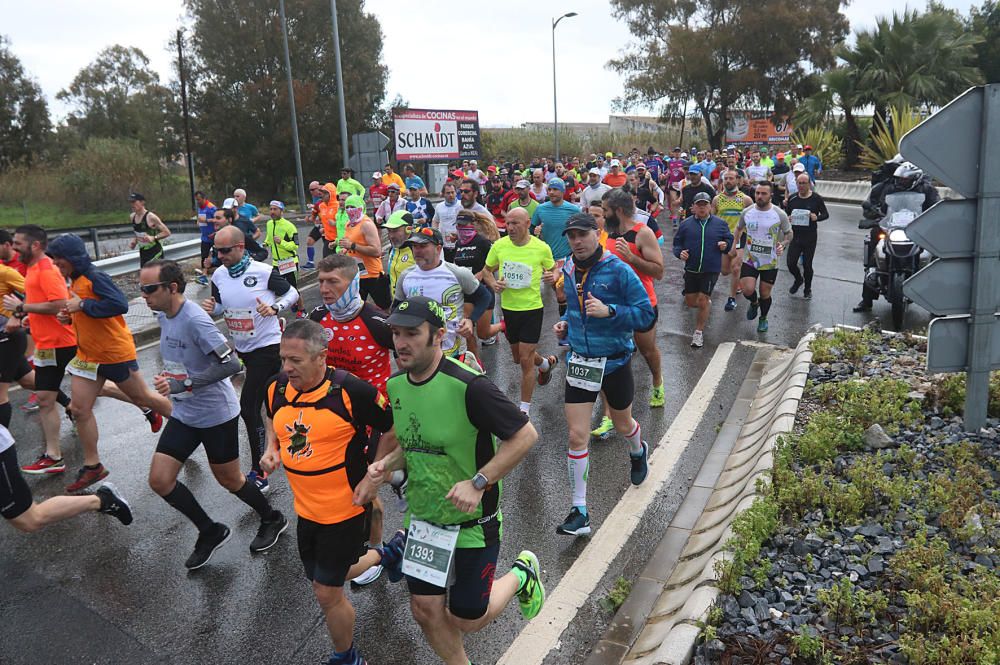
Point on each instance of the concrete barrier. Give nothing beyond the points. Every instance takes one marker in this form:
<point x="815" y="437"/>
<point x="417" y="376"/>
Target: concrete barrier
<point x="857" y="191"/>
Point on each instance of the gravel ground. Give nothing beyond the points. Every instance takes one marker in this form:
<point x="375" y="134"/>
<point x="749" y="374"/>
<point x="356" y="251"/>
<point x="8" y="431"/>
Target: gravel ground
<point x="895" y="579"/>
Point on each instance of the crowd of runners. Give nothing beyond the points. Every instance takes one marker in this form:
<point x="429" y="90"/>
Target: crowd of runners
<point x="384" y="383"/>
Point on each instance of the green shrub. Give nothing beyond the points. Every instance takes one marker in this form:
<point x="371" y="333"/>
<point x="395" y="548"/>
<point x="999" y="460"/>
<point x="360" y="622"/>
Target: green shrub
<point x="750" y="529"/>
<point x="949" y="394"/>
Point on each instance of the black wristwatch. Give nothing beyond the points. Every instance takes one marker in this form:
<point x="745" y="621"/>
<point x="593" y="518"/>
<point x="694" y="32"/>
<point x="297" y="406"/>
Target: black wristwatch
<point x="611" y="311"/>
<point x="479" y="481"/>
<point x="188" y="384"/>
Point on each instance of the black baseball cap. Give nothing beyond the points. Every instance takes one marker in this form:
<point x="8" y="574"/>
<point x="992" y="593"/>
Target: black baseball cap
<point x="702" y="197"/>
<point x="582" y="221"/>
<point x="425" y="236"/>
<point x="136" y="196"/>
<point x="415" y="310"/>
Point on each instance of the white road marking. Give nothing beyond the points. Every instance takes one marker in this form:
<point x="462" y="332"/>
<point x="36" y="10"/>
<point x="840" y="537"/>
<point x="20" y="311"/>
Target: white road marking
<point x="542" y="633"/>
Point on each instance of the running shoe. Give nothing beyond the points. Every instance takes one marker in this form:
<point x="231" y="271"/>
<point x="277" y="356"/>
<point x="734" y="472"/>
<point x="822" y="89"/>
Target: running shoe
<point x="489" y="341"/>
<point x="207" y="543"/>
<point x="698" y="339"/>
<point x="762" y="325"/>
<point x="309" y="265"/>
<point x="796" y="285"/>
<point x="44" y="464"/>
<point x="367" y="577"/>
<point x="863" y="306"/>
<point x="577" y="524"/>
<point x="269" y="532"/>
<point x="546" y="376"/>
<point x="730" y="304"/>
<point x="155" y="420"/>
<point x="86" y="477"/>
<point x="259" y="478"/>
<point x="470" y="359"/>
<point x="300" y="314"/>
<point x="531" y="595"/>
<point x="114" y="504"/>
<point x="752" y="310"/>
<point x="807" y="294"/>
<point x="31" y="405"/>
<point x="392" y="556"/>
<point x="656" y="398"/>
<point x="603" y="430"/>
<point x="640" y="465"/>
<point x="350" y="657"/>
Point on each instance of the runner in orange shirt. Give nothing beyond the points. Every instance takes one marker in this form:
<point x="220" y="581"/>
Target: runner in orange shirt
<point x="105" y="351"/>
<point x="326" y="210"/>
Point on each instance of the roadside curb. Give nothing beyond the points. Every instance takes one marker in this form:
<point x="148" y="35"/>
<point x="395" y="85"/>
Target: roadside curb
<point x="657" y="624"/>
<point x="152" y="333"/>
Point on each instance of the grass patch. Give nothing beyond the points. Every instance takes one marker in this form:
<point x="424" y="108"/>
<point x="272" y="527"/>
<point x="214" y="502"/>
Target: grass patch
<point x="750" y="529"/>
<point x="842" y="344"/>
<point x="616" y="595"/>
<point x="949" y="394"/>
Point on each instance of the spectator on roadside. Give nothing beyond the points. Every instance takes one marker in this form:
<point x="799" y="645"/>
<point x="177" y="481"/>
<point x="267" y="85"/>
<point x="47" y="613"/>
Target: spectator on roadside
<point x="411" y="178"/>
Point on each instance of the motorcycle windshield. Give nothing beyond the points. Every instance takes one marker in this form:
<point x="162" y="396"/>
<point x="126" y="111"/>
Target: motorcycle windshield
<point x="902" y="208"/>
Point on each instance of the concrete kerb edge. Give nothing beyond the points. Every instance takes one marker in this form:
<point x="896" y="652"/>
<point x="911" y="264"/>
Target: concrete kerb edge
<point x="678" y="636"/>
<point x="152" y="333"/>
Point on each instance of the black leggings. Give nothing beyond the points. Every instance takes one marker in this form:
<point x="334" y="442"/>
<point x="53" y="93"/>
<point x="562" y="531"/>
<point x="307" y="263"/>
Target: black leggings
<point x="806" y="248"/>
<point x="378" y="289"/>
<point x="261" y="365"/>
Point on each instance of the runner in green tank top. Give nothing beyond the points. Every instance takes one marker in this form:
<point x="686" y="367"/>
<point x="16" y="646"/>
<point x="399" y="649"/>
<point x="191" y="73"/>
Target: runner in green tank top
<point x="454" y="467"/>
<point x="728" y="204"/>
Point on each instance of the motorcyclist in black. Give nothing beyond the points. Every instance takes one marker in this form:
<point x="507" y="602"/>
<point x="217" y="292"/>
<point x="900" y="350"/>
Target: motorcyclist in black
<point x="906" y="177"/>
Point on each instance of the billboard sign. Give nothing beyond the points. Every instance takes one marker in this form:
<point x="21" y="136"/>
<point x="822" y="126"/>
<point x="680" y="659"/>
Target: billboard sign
<point x="426" y="134"/>
<point x="744" y="127"/>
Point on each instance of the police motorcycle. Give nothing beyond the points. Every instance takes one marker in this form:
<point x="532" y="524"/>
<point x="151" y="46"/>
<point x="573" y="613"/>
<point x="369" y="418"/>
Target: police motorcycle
<point x="891" y="257"/>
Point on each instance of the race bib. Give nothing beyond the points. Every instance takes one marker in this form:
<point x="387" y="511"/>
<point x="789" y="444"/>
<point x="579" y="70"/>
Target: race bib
<point x="429" y="551"/>
<point x="517" y="275"/>
<point x="800" y="217"/>
<point x="177" y="371"/>
<point x="45" y="358"/>
<point x="585" y="373"/>
<point x="286" y="266"/>
<point x="82" y="368"/>
<point x="240" y="322"/>
<point x="760" y="248"/>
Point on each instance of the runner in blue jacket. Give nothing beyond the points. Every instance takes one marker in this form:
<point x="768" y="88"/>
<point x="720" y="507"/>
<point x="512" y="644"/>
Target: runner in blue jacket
<point x="606" y="303"/>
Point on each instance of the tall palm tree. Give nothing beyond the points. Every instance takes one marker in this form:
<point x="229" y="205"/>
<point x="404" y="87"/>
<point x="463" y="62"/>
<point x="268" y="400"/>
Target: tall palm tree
<point x="838" y="92"/>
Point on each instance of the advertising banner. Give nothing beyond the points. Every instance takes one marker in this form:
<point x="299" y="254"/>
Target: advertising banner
<point x="435" y="135"/>
<point x="757" y="127"/>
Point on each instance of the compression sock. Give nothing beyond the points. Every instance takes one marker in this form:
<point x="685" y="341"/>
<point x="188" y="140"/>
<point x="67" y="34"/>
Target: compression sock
<point x="578" y="462"/>
<point x="752" y="297"/>
<point x="181" y="498"/>
<point x="765" y="305"/>
<point x="251" y="495"/>
<point x="5" y="413"/>
<point x="62" y="399"/>
<point x="635" y="439"/>
<point x="310" y="253"/>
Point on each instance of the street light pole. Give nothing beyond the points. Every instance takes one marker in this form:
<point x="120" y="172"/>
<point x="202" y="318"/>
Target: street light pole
<point x="291" y="100"/>
<point x="555" y="105"/>
<point x="340" y="84"/>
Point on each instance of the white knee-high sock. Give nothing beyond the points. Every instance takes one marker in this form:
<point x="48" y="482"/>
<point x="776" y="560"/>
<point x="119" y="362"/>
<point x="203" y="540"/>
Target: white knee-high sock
<point x="578" y="463"/>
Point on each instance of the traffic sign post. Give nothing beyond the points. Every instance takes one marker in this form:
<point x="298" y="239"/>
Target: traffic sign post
<point x="960" y="146"/>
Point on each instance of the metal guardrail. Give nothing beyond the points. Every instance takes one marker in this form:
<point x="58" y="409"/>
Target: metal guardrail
<point x="129" y="262"/>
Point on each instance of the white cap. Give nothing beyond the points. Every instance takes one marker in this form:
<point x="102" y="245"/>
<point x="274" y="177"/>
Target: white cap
<point x="799" y="168"/>
<point x="229" y="203"/>
<point x="799" y="146"/>
<point x="615" y="162"/>
<point x="594" y="171"/>
<point x="377" y="174"/>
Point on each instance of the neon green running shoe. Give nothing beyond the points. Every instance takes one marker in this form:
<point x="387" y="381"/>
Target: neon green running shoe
<point x="656" y="399"/>
<point x="603" y="430"/>
<point x="531" y="595"/>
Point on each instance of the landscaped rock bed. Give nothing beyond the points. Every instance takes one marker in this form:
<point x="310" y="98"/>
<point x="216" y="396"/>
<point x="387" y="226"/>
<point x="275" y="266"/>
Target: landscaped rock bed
<point x="875" y="540"/>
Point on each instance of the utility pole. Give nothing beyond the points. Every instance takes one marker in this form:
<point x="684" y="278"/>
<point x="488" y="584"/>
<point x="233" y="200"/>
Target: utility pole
<point x="291" y="101"/>
<point x="187" y="121"/>
<point x="340" y="84"/>
<point x="555" y="106"/>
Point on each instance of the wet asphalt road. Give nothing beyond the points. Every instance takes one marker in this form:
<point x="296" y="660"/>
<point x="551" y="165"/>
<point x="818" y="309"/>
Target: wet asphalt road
<point x="93" y="591"/>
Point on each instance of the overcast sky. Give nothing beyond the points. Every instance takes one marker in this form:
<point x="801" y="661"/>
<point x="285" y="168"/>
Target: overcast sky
<point x="55" y="38"/>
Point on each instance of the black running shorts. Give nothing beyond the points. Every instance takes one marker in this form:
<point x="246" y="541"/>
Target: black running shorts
<point x="469" y="593"/>
<point x="523" y="326"/>
<point x="222" y="442"/>
<point x="329" y="550"/>
<point x="15" y="495"/>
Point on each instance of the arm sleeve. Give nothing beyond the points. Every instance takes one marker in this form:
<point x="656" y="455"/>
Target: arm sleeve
<point x="822" y="213"/>
<point x="112" y="302"/>
<point x="490" y="410"/>
<point x="278" y="284"/>
<point x="215" y="372"/>
<point x="368" y="407"/>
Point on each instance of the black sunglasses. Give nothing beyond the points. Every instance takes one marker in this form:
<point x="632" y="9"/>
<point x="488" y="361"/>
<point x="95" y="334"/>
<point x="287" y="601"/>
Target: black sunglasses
<point x="465" y="191"/>
<point x="151" y="288"/>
